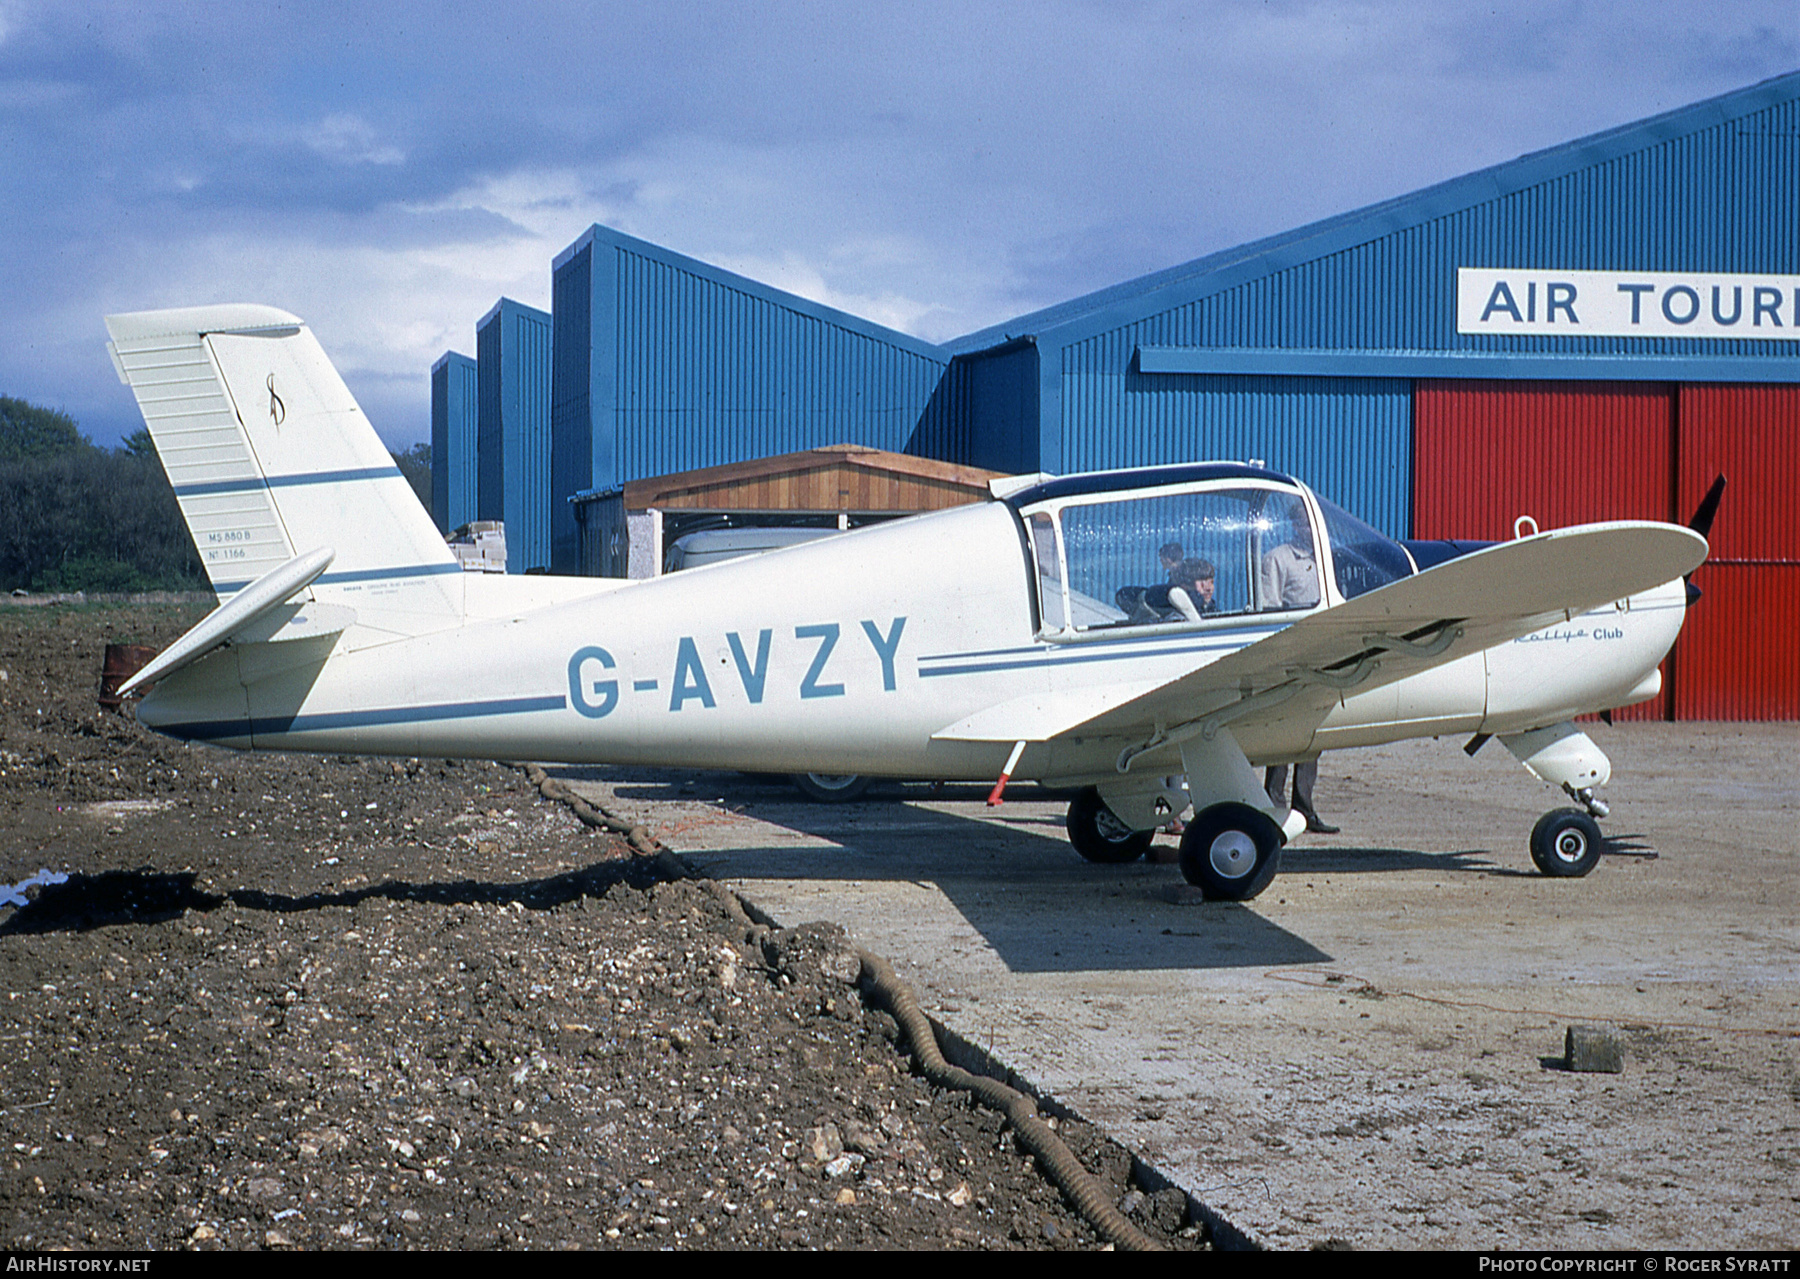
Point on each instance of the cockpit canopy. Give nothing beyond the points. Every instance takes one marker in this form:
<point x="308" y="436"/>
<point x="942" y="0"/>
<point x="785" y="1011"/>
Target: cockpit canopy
<point x="1185" y="545"/>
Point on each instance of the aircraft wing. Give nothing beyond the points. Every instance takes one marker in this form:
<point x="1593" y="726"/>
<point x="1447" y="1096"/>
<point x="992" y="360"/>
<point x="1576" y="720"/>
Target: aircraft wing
<point x="1434" y="617"/>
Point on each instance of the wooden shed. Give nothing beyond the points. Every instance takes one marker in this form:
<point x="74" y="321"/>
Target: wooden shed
<point x="631" y="531"/>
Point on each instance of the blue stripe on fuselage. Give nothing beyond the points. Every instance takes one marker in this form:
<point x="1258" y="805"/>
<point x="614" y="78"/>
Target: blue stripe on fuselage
<point x="1112" y="650"/>
<point x="213" y="730"/>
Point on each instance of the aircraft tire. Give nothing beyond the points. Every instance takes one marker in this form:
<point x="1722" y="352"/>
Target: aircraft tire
<point x="1230" y="852"/>
<point x="1566" y="843"/>
<point x="1101" y="837"/>
<point x="832" y="788"/>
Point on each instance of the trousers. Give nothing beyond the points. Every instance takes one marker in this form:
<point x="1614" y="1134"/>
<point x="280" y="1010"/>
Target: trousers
<point x="1275" y="782"/>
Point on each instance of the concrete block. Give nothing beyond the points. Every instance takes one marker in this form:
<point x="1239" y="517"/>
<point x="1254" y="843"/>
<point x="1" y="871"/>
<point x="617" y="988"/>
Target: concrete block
<point x="1591" y="1049"/>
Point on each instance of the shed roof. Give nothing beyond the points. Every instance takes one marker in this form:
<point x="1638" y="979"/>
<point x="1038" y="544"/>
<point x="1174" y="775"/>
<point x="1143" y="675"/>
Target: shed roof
<point x="838" y="477"/>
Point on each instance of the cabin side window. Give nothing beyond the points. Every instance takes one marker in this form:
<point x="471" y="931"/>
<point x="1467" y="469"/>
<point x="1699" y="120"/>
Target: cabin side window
<point x="1049" y="572"/>
<point x="1175" y="557"/>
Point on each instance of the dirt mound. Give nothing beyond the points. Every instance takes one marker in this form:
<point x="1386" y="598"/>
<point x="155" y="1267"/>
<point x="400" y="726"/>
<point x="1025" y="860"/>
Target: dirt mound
<point x="282" y="1001"/>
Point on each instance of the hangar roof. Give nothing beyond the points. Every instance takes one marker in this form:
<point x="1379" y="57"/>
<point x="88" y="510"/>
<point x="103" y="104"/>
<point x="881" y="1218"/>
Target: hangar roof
<point x="610" y="238"/>
<point x="1095" y="312"/>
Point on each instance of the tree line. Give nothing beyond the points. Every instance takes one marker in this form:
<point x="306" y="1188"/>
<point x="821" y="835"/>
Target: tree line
<point x="78" y="517"/>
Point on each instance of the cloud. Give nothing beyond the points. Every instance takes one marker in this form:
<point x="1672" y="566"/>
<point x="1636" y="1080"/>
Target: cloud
<point x="808" y="279"/>
<point x="390" y="170"/>
<point x="348" y="139"/>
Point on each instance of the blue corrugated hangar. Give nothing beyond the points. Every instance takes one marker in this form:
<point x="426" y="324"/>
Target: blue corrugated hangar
<point x="455" y="428"/>
<point x="1590" y="331"/>
<point x="512" y="366"/>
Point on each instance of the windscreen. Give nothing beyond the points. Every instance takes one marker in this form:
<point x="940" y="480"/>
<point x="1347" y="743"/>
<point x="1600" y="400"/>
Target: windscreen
<point x="1364" y="558"/>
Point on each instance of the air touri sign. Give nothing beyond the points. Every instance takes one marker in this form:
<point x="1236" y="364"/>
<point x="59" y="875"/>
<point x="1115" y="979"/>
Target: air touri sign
<point x="1643" y="304"/>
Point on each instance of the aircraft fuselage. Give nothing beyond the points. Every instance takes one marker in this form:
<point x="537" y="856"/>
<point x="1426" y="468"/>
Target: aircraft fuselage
<point x="844" y="655"/>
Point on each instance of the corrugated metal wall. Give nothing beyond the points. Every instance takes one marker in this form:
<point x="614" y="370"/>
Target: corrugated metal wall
<point x="1717" y="189"/>
<point x="1002" y="390"/>
<point x="578" y="453"/>
<point x="1576" y="452"/>
<point x="946" y="429"/>
<point x="455" y="421"/>
<point x="1724" y="198"/>
<point x="665" y="364"/>
<point x="1739" y="656"/>
<point x="512" y="346"/>
<point x="1736" y="657"/>
<point x="710" y="374"/>
<point x="1561" y="452"/>
<point x="1350" y="438"/>
<point x="1751" y="435"/>
<point x="490" y="448"/>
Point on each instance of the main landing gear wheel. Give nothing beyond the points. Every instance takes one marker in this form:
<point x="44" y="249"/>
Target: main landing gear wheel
<point x="1231" y="852"/>
<point x="1101" y="837"/>
<point x="1566" y="843"/>
<point x="832" y="788"/>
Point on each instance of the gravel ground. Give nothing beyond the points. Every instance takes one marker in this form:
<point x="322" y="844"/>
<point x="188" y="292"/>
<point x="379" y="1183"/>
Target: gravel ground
<point x="283" y="1001"/>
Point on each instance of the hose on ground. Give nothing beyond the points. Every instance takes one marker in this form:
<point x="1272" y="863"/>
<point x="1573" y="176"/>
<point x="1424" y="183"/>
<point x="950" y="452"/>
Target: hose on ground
<point x="1076" y="1182"/>
<point x="638" y="836"/>
<point x="879" y="983"/>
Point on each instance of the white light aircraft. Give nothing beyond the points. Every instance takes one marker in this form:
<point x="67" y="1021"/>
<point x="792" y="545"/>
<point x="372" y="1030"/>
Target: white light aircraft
<point x="1010" y="638"/>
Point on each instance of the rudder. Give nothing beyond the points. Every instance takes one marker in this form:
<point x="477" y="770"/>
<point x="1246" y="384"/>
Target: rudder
<point x="270" y="458"/>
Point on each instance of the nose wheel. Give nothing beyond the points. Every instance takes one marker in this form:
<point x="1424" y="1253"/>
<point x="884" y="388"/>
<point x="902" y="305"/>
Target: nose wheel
<point x="1566" y="843"/>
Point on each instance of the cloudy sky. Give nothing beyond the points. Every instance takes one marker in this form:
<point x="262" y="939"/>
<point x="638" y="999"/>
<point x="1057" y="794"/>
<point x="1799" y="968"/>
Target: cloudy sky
<point x="388" y="170"/>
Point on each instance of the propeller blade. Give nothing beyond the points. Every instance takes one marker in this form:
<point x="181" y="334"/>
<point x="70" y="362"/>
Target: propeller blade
<point x="1702" y="524"/>
<point x="1709" y="506"/>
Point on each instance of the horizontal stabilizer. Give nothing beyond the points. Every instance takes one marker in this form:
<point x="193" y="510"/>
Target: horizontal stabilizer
<point x="266" y="595"/>
<point x="296" y="620"/>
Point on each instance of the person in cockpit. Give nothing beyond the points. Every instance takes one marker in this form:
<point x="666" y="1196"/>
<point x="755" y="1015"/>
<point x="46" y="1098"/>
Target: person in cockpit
<point x="1191" y="589"/>
<point x="1146" y="604"/>
<point x="1170" y="556"/>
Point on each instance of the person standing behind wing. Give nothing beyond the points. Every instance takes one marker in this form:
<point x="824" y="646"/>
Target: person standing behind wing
<point x="1290" y="574"/>
<point x="1290" y="579"/>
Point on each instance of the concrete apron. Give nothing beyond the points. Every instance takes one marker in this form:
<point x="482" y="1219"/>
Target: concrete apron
<point x="1369" y="1052"/>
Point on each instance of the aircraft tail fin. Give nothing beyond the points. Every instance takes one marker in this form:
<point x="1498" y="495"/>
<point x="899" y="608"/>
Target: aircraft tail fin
<point x="271" y="459"/>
